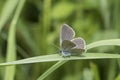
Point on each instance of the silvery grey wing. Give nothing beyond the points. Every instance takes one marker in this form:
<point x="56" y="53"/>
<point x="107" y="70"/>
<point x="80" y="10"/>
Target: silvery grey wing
<point x="67" y="45"/>
<point x="76" y="51"/>
<point x="80" y="43"/>
<point x="67" y="33"/>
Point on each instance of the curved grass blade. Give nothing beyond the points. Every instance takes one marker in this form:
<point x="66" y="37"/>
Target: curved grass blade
<point x="8" y="9"/>
<point x="56" y="57"/>
<point x="11" y="48"/>
<point x="92" y="45"/>
<point x="112" y="42"/>
<point x="53" y="68"/>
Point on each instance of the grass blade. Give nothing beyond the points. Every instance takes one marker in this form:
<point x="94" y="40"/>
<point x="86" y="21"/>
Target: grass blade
<point x="11" y="48"/>
<point x="112" y="42"/>
<point x="56" y="57"/>
<point x="50" y="70"/>
<point x="8" y="9"/>
<point x="99" y="43"/>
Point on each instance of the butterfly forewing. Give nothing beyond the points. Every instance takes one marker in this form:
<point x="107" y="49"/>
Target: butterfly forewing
<point x="67" y="33"/>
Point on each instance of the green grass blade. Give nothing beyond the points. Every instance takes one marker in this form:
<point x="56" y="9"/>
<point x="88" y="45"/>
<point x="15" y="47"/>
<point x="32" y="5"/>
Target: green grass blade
<point x="99" y="43"/>
<point x="89" y="55"/>
<point x="11" y="48"/>
<point x="111" y="70"/>
<point x="112" y="42"/>
<point x="95" y="69"/>
<point x="8" y="9"/>
<point x="60" y="63"/>
<point x="53" y="68"/>
<point x="56" y="57"/>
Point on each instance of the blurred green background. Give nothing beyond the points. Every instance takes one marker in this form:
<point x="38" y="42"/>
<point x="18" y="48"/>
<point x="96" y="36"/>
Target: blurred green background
<point x="38" y="30"/>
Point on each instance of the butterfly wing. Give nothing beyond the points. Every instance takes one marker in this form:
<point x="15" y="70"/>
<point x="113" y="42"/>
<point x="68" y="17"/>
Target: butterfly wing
<point x="80" y="46"/>
<point x="66" y="46"/>
<point x="67" y="33"/>
<point x="80" y="43"/>
<point x="70" y="46"/>
<point x="76" y="51"/>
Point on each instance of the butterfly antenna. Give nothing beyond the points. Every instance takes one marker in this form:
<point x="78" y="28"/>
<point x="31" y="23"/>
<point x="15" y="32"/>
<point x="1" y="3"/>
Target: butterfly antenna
<point x="56" y="52"/>
<point x="56" y="46"/>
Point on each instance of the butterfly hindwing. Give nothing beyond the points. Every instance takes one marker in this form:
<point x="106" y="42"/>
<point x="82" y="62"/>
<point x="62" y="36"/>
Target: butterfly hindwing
<point x="80" y="43"/>
<point x="67" y="45"/>
<point x="69" y="48"/>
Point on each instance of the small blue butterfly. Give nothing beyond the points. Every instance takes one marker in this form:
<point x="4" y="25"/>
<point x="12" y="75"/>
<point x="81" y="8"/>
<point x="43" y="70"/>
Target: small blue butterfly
<point x="70" y="45"/>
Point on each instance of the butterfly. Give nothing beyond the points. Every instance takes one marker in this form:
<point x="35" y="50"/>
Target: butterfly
<point x="69" y="45"/>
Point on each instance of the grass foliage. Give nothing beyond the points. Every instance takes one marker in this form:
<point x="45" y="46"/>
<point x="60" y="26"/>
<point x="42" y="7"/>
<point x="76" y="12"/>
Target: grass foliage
<point x="29" y="28"/>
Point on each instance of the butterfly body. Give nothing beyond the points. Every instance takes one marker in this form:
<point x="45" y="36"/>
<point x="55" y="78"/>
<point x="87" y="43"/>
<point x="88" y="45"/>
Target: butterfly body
<point x="70" y="46"/>
<point x="74" y="52"/>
